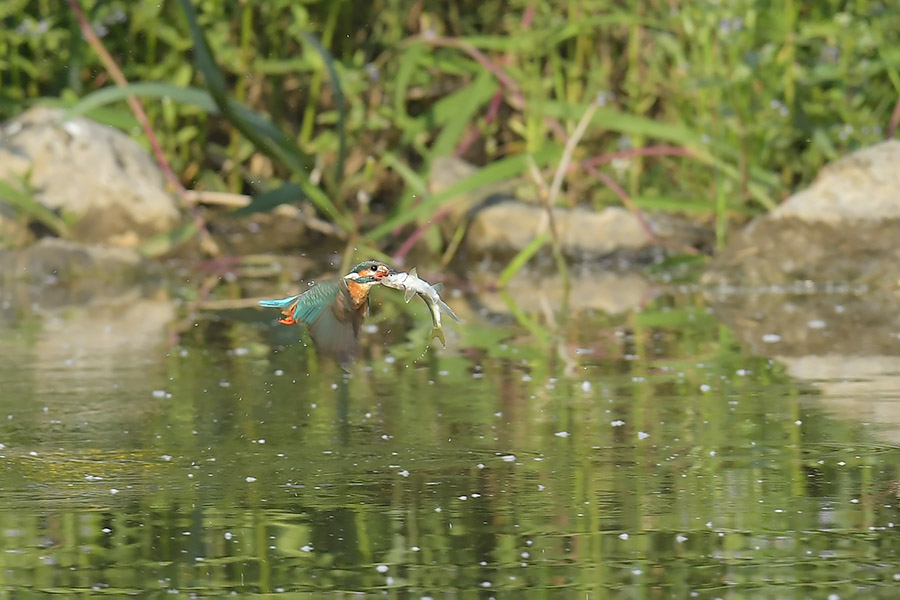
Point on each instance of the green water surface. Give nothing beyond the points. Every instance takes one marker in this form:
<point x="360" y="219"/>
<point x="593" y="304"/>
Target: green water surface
<point x="640" y="456"/>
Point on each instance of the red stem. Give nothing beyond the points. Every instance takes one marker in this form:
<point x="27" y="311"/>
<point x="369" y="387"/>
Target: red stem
<point x="135" y="105"/>
<point x="416" y="235"/>
<point x="116" y="73"/>
<point x="474" y="134"/>
<point x="895" y="120"/>
<point x="630" y="205"/>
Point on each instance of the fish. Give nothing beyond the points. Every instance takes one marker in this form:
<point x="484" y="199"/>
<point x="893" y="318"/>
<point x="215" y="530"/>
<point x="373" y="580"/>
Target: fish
<point x="414" y="286"/>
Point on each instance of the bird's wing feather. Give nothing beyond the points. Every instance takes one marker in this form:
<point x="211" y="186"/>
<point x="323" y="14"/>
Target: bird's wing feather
<point x="335" y="329"/>
<point x="314" y="301"/>
<point x="282" y="304"/>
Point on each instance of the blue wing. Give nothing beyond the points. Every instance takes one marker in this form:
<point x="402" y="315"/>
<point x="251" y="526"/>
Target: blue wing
<point x="328" y="311"/>
<point x="305" y="307"/>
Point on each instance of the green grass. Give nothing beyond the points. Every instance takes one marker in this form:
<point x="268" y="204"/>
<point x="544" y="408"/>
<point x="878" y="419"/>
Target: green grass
<point x="353" y="100"/>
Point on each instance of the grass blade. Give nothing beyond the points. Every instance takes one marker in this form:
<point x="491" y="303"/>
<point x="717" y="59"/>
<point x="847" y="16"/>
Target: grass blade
<point x="189" y="96"/>
<point x="506" y="168"/>
<point x="338" y="100"/>
<point x="295" y="161"/>
<point x="25" y="204"/>
<point x="414" y="181"/>
<point x="288" y="193"/>
<point x="522" y="258"/>
<point x="164" y="243"/>
<point x="462" y="106"/>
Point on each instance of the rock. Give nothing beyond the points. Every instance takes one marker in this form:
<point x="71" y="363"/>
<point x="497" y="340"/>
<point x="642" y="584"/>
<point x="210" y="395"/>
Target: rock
<point x="94" y="174"/>
<point x="508" y="226"/>
<point x="77" y="266"/>
<point x="860" y="187"/>
<point x="500" y="222"/>
<point x="844" y="227"/>
<point x="14" y="231"/>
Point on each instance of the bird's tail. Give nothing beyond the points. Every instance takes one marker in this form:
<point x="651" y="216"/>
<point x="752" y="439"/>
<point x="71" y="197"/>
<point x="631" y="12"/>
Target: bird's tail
<point x="286" y="306"/>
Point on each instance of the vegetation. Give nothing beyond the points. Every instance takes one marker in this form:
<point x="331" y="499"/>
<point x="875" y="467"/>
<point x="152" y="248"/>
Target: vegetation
<point x="715" y="109"/>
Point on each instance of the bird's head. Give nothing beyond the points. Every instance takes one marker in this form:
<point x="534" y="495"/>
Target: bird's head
<point x="369" y="273"/>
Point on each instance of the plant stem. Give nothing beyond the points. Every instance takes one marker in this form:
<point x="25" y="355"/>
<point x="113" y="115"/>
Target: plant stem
<point x="208" y="244"/>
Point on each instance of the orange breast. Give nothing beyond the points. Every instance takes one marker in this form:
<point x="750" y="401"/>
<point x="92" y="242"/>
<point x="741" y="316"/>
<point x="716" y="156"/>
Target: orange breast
<point x="358" y="293"/>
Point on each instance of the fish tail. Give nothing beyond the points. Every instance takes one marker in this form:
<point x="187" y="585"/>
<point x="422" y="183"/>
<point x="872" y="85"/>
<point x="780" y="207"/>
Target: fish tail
<point x="438" y="332"/>
<point x="447" y="310"/>
<point x="286" y="305"/>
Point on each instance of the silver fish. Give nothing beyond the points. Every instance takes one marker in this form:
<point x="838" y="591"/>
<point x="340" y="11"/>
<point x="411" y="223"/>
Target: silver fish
<point x="414" y="286"/>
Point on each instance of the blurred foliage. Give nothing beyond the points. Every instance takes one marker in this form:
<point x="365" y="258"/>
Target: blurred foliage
<point x="761" y="93"/>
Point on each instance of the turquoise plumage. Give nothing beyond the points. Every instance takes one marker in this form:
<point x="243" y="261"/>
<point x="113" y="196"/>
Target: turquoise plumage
<point x="334" y="310"/>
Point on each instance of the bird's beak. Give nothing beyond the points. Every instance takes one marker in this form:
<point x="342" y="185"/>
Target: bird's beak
<point x="391" y="271"/>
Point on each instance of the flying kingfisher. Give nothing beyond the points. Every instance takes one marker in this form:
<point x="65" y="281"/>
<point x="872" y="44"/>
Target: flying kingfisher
<point x="334" y="310"/>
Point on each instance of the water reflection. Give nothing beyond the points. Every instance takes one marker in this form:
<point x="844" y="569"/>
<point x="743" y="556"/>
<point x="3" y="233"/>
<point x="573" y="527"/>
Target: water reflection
<point x="671" y="465"/>
<point x="845" y="345"/>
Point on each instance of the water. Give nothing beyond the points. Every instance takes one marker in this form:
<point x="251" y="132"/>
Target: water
<point x="641" y="456"/>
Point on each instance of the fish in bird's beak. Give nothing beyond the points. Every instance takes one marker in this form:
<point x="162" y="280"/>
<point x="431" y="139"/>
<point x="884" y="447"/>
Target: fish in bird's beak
<point x="382" y="271"/>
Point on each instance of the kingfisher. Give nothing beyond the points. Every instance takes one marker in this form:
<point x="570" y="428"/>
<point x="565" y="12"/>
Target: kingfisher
<point x="334" y="310"/>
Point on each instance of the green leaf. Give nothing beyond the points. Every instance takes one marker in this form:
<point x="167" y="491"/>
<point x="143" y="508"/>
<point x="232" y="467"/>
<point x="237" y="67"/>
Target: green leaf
<point x="522" y="258"/>
<point x="507" y="168"/>
<point x="338" y="100"/>
<point x="25" y="204"/>
<point x="166" y="242"/>
<point x="109" y="95"/>
<point x="189" y="96"/>
<point x="288" y="193"/>
<point x="691" y="206"/>
<point x="614" y="120"/>
<point x="290" y="157"/>
<point x="409" y="61"/>
<point x="413" y="180"/>
<point x="461" y="107"/>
